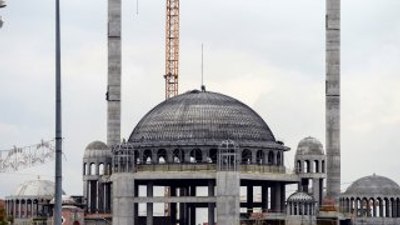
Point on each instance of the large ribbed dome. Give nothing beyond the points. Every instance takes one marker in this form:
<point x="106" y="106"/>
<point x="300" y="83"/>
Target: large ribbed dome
<point x="200" y="117"/>
<point x="373" y="186"/>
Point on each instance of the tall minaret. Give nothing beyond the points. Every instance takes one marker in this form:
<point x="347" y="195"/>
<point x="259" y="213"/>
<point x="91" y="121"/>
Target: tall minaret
<point x="113" y="95"/>
<point x="333" y="97"/>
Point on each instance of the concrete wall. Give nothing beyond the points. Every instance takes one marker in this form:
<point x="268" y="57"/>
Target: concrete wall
<point x="228" y="198"/>
<point x="123" y="194"/>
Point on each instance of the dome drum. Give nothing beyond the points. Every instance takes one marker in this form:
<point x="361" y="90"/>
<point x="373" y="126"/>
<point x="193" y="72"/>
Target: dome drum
<point x="374" y="198"/>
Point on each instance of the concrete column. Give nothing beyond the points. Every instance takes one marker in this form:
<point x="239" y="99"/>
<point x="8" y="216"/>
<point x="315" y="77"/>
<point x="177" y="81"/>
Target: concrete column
<point x="333" y="97"/>
<point x="276" y="197"/>
<point x="186" y="153"/>
<point x="192" y="208"/>
<point x="113" y="95"/>
<point x="253" y="157"/>
<point x="228" y="198"/>
<point x="19" y="209"/>
<point x="183" y="210"/>
<point x="211" y="206"/>
<point x="250" y="195"/>
<point x="316" y="191"/>
<point x="264" y="197"/>
<point x="123" y="196"/>
<point x="149" y="218"/>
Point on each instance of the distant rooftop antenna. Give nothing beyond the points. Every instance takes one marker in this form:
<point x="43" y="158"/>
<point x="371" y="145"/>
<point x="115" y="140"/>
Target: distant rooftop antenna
<point x="203" y="87"/>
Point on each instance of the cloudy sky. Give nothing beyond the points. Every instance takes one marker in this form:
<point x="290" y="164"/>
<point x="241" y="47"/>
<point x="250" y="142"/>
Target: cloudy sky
<point x="267" y="53"/>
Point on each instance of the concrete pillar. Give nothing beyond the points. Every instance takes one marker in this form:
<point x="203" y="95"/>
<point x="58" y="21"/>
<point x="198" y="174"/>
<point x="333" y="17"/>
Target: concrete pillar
<point x="150" y="193"/>
<point x="333" y="97"/>
<point x="113" y="95"/>
<point x="253" y="157"/>
<point x="264" y="197"/>
<point x="183" y="210"/>
<point x="211" y="206"/>
<point x="316" y="191"/>
<point x="172" y="206"/>
<point x="123" y="196"/>
<point x="250" y="195"/>
<point x="19" y="209"/>
<point x="276" y="197"/>
<point x="192" y="208"/>
<point x="228" y="198"/>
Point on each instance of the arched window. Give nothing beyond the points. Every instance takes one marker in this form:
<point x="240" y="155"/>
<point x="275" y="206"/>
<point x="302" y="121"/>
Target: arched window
<point x="85" y="169"/>
<point x="162" y="156"/>
<point x="92" y="169"/>
<point x="101" y="169"/>
<point x="270" y="158"/>
<point x="213" y="155"/>
<point x="196" y="156"/>
<point x="147" y="156"/>
<point x="178" y="156"/>
<point x="316" y="166"/>
<point x="138" y="161"/>
<point x="306" y="166"/>
<point x="260" y="157"/>
<point x="246" y="156"/>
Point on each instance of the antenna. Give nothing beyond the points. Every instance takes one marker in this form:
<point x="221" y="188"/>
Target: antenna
<point x="137" y="7"/>
<point x="203" y="87"/>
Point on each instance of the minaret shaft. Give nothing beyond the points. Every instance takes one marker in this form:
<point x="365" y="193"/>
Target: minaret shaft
<point x="114" y="73"/>
<point x="333" y="97"/>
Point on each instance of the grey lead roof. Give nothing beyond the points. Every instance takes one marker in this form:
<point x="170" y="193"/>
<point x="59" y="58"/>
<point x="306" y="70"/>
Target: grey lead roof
<point x="374" y="185"/>
<point x="310" y="146"/>
<point x="201" y="117"/>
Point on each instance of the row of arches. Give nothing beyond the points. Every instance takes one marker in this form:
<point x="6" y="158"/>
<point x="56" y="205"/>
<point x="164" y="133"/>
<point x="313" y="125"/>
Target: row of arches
<point x="300" y="208"/>
<point x="246" y="156"/>
<point x="27" y="208"/>
<point x="371" y="207"/>
<point x="97" y="168"/>
<point x="310" y="166"/>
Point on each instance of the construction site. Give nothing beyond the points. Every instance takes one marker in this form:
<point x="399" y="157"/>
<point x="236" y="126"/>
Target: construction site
<point x="202" y="157"/>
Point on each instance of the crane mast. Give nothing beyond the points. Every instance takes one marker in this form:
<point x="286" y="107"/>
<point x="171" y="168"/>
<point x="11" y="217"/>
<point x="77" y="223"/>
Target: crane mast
<point x="172" y="49"/>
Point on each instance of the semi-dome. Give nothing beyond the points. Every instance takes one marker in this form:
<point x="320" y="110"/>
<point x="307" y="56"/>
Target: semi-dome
<point x="310" y="146"/>
<point x="36" y="188"/>
<point x="373" y="186"/>
<point x="97" y="149"/>
<point x="202" y="117"/>
<point x="300" y="196"/>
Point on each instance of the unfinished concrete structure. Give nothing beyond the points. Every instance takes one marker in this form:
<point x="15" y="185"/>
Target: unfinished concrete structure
<point x="301" y="209"/>
<point x="113" y="95"/>
<point x="199" y="139"/>
<point x="310" y="167"/>
<point x="333" y="98"/>
<point x="372" y="200"/>
<point x="97" y="185"/>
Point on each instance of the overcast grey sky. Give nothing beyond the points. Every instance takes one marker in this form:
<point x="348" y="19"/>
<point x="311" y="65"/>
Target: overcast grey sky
<point x="267" y="53"/>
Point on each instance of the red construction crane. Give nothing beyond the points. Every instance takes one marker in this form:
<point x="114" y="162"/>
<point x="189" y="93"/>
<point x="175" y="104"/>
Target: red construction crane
<point x="172" y="49"/>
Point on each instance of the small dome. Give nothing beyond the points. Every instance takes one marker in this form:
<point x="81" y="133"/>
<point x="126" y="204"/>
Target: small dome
<point x="300" y="197"/>
<point x="374" y="185"/>
<point x="202" y="117"/>
<point x="97" y="149"/>
<point x="36" y="188"/>
<point x="310" y="146"/>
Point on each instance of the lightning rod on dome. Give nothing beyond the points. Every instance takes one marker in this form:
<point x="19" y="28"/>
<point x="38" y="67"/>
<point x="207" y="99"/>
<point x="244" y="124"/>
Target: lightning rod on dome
<point x="203" y="87"/>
